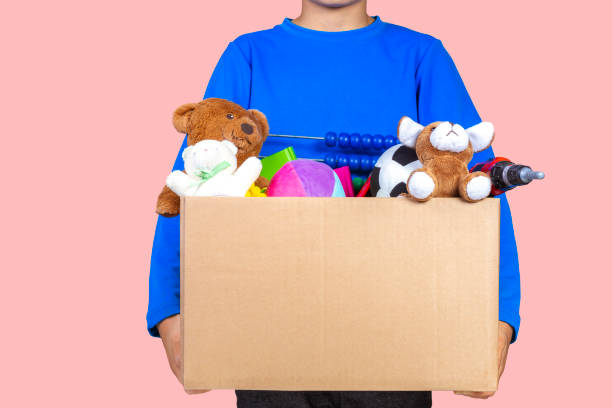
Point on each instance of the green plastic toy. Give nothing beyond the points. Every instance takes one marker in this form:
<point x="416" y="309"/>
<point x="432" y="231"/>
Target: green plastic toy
<point x="271" y="164"/>
<point x="358" y="183"/>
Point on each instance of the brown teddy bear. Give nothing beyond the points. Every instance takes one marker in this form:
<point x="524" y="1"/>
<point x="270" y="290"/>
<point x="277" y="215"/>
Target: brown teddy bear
<point x="217" y="119"/>
<point x="445" y="149"/>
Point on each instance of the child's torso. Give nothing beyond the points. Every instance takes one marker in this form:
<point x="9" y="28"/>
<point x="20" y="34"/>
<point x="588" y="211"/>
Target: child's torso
<point x="309" y="88"/>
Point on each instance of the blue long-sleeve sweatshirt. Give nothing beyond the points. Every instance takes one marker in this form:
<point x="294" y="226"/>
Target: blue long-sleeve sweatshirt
<point x="310" y="82"/>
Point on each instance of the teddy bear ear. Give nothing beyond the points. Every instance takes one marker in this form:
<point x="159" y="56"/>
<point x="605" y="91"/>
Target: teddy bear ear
<point x="262" y="121"/>
<point x="181" y="116"/>
<point x="408" y="130"/>
<point x="481" y="136"/>
<point x="230" y="146"/>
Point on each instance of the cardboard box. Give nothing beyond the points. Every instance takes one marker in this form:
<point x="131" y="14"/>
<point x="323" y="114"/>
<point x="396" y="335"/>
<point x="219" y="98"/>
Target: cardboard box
<point x="339" y="293"/>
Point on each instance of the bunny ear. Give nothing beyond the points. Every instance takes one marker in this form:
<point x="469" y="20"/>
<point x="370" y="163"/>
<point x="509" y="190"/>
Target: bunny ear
<point x="481" y="136"/>
<point x="230" y="146"/>
<point x="408" y="130"/>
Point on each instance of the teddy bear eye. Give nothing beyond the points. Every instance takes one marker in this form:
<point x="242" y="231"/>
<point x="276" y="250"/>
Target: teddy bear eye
<point x="230" y="116"/>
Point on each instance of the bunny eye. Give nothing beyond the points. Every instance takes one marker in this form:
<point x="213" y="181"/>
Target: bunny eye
<point x="230" y="116"/>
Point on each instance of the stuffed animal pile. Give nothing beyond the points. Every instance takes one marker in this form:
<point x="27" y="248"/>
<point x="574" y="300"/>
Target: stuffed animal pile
<point x="218" y="120"/>
<point x="225" y="139"/>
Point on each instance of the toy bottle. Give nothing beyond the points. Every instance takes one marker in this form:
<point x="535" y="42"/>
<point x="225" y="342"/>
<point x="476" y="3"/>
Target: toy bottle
<point x="506" y="175"/>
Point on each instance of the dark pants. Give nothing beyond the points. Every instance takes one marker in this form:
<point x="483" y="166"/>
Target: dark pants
<point x="344" y="399"/>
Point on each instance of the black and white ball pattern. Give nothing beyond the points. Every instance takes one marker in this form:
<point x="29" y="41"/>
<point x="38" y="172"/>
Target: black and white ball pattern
<point x="391" y="171"/>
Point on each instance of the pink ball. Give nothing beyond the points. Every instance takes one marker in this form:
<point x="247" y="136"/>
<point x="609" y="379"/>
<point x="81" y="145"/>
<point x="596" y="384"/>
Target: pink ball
<point x="305" y="178"/>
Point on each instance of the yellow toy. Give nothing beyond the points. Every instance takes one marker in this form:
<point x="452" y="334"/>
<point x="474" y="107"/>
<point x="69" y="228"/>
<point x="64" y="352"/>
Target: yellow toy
<point x="255" y="191"/>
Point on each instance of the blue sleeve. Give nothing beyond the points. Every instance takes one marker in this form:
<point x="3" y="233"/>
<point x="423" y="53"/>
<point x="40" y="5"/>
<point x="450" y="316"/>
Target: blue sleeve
<point x="509" y="277"/>
<point x="441" y="95"/>
<point x="230" y="80"/>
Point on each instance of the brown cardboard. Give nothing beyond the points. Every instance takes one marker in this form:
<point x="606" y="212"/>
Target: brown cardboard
<point x="339" y="293"/>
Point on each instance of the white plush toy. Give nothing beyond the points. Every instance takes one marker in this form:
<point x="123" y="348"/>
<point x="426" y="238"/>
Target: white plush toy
<point x="211" y="170"/>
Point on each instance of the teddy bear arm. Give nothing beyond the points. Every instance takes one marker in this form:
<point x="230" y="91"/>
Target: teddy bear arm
<point x="262" y="182"/>
<point x="168" y="203"/>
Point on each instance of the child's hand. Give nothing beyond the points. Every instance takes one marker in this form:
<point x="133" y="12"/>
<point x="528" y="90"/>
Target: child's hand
<point x="505" y="332"/>
<point x="170" y="333"/>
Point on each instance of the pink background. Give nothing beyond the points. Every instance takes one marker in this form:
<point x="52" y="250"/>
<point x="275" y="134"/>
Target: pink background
<point x="87" y="92"/>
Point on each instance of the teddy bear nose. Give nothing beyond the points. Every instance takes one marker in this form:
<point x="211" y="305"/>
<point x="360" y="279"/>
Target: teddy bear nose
<point x="246" y="128"/>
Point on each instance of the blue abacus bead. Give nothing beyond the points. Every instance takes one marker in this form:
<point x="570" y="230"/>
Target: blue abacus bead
<point x="354" y="162"/>
<point x="342" y="160"/>
<point x="355" y="141"/>
<point x="330" y="160"/>
<point x="377" y="142"/>
<point x="344" y="140"/>
<point x="331" y="139"/>
<point x="390" y="141"/>
<point x="365" y="164"/>
<point x="366" y="141"/>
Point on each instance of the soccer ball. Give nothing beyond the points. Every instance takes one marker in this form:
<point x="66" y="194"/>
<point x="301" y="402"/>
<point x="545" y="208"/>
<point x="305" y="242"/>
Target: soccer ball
<point x="391" y="171"/>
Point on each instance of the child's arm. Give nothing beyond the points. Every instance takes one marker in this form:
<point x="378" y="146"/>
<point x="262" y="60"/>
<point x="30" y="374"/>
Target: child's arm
<point x="230" y="80"/>
<point x="443" y="96"/>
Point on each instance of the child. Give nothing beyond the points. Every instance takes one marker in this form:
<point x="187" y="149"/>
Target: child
<point x="333" y="68"/>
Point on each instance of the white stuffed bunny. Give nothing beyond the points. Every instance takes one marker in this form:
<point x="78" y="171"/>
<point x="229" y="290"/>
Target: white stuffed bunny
<point x="211" y="170"/>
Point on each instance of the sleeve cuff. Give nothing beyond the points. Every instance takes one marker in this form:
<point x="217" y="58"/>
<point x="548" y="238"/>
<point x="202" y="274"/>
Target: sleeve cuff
<point x="514" y="322"/>
<point x="156" y="316"/>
